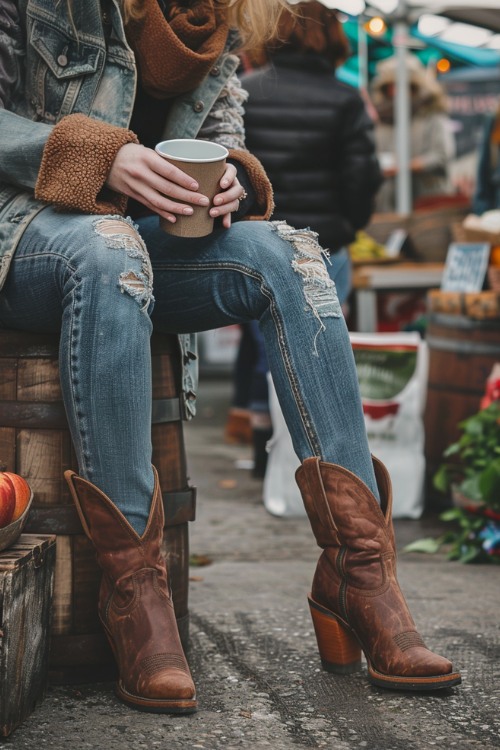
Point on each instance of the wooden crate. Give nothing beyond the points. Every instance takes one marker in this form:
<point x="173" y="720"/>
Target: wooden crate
<point x="26" y="583"/>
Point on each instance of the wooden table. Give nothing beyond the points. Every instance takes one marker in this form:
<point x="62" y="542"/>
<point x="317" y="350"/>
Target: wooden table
<point x="369" y="280"/>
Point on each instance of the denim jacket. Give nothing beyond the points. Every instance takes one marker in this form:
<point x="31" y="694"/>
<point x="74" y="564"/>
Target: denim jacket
<point x="46" y="73"/>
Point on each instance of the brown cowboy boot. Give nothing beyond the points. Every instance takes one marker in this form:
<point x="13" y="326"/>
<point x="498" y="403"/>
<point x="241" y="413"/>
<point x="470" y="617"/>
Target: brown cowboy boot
<point x="135" y="606"/>
<point x="356" y="603"/>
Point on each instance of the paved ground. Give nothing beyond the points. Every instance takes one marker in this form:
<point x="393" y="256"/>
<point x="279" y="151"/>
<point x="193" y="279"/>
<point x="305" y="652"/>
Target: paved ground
<point x="253" y="653"/>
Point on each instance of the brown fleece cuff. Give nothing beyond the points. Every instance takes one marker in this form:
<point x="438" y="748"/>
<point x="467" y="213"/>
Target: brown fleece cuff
<point x="260" y="183"/>
<point x="75" y="164"/>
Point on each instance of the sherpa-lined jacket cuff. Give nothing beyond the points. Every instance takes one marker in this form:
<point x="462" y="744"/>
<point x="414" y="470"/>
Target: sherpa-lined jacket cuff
<point x="75" y="164"/>
<point x="260" y="183"/>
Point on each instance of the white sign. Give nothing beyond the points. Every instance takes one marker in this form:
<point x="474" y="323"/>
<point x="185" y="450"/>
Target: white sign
<point x="465" y="267"/>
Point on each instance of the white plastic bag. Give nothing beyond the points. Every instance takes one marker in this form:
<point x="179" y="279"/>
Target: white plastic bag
<point x="392" y="371"/>
<point x="280" y="492"/>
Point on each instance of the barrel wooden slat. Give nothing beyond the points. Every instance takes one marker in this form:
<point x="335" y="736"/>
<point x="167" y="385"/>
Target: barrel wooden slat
<point x="86" y="579"/>
<point x="8" y="381"/>
<point x="7" y="445"/>
<point x="42" y="458"/>
<point x="38" y="380"/>
<point x="176" y="551"/>
<point x="168" y="439"/>
<point x="8" y="390"/>
<point x="35" y="442"/>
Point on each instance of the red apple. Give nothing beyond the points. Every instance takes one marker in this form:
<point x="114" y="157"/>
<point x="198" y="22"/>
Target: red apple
<point x="7" y="500"/>
<point x="22" y="492"/>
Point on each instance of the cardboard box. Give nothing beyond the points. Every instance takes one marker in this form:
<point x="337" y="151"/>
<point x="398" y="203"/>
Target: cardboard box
<point x="26" y="581"/>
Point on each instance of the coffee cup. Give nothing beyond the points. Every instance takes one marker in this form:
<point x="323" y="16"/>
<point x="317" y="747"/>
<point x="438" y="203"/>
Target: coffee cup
<point x="205" y="162"/>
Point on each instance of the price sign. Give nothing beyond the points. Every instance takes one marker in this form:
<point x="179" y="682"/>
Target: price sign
<point x="465" y="267"/>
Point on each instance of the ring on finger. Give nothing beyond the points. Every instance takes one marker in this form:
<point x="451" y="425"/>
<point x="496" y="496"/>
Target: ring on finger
<point x="243" y="196"/>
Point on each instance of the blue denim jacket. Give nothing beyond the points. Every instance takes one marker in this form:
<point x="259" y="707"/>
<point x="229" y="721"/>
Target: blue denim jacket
<point x="47" y="72"/>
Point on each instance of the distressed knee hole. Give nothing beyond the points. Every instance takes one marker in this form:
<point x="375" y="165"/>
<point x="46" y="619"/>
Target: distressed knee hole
<point x="133" y="283"/>
<point x="308" y="261"/>
<point x="121" y="234"/>
<point x="113" y="226"/>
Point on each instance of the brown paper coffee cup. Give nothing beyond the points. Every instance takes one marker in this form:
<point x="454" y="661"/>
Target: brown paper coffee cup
<point x="205" y="162"/>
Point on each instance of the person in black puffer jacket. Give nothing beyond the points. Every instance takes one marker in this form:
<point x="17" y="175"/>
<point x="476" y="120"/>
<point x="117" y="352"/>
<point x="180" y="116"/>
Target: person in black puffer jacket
<point x="312" y="132"/>
<point x="315" y="138"/>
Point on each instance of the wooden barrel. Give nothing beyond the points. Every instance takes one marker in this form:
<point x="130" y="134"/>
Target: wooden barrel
<point x="35" y="442"/>
<point x="462" y="352"/>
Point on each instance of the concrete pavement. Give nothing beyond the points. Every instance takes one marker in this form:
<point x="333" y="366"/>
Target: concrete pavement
<point x="253" y="653"/>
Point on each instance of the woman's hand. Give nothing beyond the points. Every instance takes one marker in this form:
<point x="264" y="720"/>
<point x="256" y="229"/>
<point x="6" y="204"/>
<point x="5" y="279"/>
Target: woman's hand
<point x="141" y="173"/>
<point x="229" y="200"/>
<point x="144" y="175"/>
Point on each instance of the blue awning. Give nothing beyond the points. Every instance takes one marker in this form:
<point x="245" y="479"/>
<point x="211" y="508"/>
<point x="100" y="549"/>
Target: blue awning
<point x="471" y="55"/>
<point x="433" y="47"/>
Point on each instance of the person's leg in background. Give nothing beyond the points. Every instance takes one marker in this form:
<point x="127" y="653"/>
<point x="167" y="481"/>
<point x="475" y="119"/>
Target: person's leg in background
<point x="260" y="416"/>
<point x="238" y="428"/>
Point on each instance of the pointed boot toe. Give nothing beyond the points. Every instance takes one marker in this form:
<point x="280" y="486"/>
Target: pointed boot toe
<point x="422" y="670"/>
<point x="425" y="663"/>
<point x="169" y="691"/>
<point x="171" y="684"/>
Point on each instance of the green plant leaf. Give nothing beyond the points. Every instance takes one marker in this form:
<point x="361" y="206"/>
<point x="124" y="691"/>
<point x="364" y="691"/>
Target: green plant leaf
<point x="451" y="450"/>
<point x="470" y="487"/>
<point x="452" y="514"/>
<point x="448" y="537"/>
<point x="441" y="479"/>
<point x="489" y="481"/>
<point x="428" y="545"/>
<point x="470" y="554"/>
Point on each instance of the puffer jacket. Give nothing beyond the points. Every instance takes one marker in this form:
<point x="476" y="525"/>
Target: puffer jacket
<point x="315" y="139"/>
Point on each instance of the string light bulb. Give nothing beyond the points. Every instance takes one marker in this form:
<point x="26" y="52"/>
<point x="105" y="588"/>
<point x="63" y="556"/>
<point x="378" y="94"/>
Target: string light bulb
<point x="376" y="26"/>
<point x="443" y="65"/>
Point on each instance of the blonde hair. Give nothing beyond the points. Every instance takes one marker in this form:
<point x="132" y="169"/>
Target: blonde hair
<point x="256" y="20"/>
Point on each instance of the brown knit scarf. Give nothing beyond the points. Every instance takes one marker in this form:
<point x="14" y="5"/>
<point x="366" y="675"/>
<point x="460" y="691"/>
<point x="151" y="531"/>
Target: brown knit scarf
<point x="174" y="54"/>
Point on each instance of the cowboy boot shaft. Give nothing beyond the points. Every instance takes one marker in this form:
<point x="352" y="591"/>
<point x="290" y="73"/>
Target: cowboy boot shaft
<point x="116" y="544"/>
<point x="341" y="508"/>
<point x="119" y="550"/>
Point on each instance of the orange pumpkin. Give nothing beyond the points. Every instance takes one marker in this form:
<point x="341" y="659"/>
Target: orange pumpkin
<point x="21" y="490"/>
<point x="495" y="255"/>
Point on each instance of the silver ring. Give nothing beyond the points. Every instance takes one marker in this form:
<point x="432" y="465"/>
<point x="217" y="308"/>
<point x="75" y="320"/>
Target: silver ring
<point x="243" y="196"/>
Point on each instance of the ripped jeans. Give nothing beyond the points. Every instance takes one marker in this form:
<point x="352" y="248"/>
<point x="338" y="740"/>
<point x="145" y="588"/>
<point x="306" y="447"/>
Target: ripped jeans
<point x="92" y="278"/>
